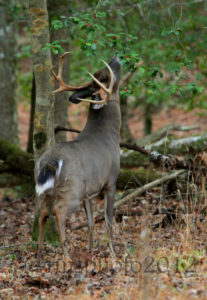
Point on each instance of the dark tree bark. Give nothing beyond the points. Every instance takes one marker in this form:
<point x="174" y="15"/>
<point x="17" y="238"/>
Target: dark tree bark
<point x="8" y="111"/>
<point x="44" y="108"/>
<point x="59" y="8"/>
<point x="32" y="113"/>
<point x="42" y="64"/>
<point x="147" y="118"/>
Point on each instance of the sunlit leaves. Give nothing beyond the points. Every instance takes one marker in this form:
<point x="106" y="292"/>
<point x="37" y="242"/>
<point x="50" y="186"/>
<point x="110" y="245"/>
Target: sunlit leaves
<point x="55" y="46"/>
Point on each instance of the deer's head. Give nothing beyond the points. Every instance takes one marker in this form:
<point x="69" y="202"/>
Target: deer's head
<point x="104" y="84"/>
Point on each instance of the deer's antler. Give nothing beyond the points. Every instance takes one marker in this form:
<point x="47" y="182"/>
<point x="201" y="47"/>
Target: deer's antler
<point x="64" y="86"/>
<point x="107" y="91"/>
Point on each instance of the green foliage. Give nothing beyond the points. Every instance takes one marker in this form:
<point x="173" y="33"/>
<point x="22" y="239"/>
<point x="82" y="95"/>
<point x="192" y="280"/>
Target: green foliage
<point x="165" y="39"/>
<point x="170" y="38"/>
<point x="17" y="9"/>
<point x="55" y="46"/>
<point x="24" y="80"/>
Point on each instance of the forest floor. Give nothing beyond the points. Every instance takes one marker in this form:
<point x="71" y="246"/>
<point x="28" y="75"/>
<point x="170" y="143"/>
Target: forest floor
<point x="159" y="255"/>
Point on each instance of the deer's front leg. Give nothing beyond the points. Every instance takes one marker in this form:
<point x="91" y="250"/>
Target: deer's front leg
<point x="88" y="205"/>
<point x="109" y="197"/>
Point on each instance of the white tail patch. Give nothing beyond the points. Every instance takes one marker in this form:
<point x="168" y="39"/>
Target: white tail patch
<point x="60" y="164"/>
<point x="49" y="184"/>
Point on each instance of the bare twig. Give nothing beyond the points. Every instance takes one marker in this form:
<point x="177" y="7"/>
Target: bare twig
<point x="61" y="128"/>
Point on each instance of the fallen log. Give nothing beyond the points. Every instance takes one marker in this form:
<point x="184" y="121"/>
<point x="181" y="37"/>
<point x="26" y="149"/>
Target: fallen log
<point x="24" y="183"/>
<point x="135" y="178"/>
<point x="19" y="161"/>
<point x="192" y="144"/>
<point x="166" y="161"/>
<point x="159" y="152"/>
<point x="163" y="132"/>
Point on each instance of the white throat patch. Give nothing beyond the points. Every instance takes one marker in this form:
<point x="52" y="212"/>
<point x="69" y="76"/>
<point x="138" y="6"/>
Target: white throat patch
<point x="98" y="106"/>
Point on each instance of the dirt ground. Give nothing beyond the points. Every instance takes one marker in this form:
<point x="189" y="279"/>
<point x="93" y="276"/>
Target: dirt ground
<point x="161" y="249"/>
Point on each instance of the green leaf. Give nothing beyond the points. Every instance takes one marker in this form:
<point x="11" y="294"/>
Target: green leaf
<point x="94" y="46"/>
<point x="57" y="24"/>
<point x="198" y="76"/>
<point x="55" y="51"/>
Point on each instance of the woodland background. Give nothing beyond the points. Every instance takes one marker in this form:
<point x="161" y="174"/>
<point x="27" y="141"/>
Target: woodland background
<point x="160" y="217"/>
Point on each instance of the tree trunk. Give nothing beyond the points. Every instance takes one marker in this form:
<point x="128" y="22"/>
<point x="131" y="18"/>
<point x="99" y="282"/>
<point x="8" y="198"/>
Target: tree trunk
<point x="44" y="109"/>
<point x="42" y="64"/>
<point x="32" y="113"/>
<point x="8" y="111"/>
<point x="57" y="8"/>
<point x="147" y="119"/>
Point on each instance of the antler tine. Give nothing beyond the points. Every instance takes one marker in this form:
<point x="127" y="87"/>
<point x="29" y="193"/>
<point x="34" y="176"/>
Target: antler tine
<point x="110" y="88"/>
<point x="64" y="86"/>
<point x="107" y="90"/>
<point x="61" y="61"/>
<point x="98" y="82"/>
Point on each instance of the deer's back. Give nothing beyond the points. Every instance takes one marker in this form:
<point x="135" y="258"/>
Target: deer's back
<point x="87" y="163"/>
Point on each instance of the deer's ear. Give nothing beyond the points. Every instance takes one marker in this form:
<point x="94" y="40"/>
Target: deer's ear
<point x="87" y="92"/>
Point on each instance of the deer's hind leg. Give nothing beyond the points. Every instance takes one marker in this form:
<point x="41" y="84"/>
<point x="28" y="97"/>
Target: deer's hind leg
<point x="66" y="203"/>
<point x="88" y="206"/>
<point x="60" y="215"/>
<point x="42" y="222"/>
<point x="109" y="197"/>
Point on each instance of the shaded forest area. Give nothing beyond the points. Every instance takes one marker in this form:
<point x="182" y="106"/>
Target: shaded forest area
<point x="160" y="209"/>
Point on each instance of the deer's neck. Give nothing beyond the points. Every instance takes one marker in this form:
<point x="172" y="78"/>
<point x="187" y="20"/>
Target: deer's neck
<point x="106" y="120"/>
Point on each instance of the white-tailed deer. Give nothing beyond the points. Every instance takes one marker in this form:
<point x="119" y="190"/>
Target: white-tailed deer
<point x="70" y="172"/>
